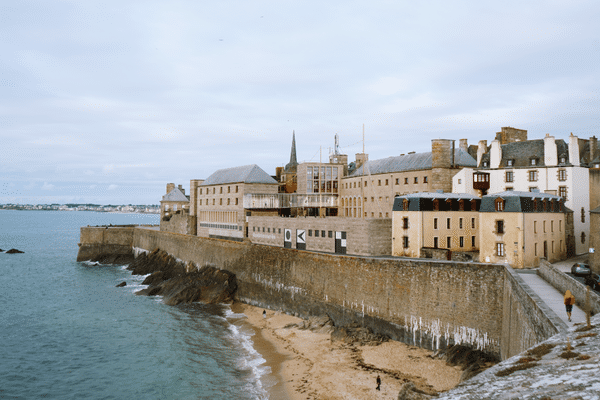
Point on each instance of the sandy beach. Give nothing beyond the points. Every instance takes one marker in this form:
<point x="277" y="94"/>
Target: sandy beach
<point x="308" y="365"/>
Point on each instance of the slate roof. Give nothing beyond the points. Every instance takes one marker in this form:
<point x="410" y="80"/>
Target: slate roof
<point x="175" y="195"/>
<point x="423" y="201"/>
<point x="244" y="174"/>
<point x="522" y="152"/>
<point x="515" y="201"/>
<point x="409" y="162"/>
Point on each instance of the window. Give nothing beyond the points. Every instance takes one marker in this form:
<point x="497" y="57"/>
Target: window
<point x="534" y="226"/>
<point x="510" y="163"/>
<point x="460" y="225"/>
<point x="322" y="233"/>
<point x="447" y="223"/>
<point x="387" y="215"/>
<point x="424" y="179"/>
<point x="472" y="241"/>
<point x="406" y="181"/>
<point x="562" y="192"/>
<point x="228" y="189"/>
<point x="405" y="223"/>
<point x="485" y="164"/>
<point x="582" y="216"/>
<point x="499" y="204"/>
<point x="379" y="182"/>
<point x="461" y="207"/>
<point x="228" y="201"/>
<point x="213" y="202"/>
<point x="459" y="181"/>
<point x="310" y="232"/>
<point x="533" y="161"/>
<point x="436" y="205"/>
<point x="236" y="201"/>
<point x="461" y="241"/>
<point x="563" y="160"/>
<point x="372" y="214"/>
<point x="500" y="249"/>
<point x="533" y="189"/>
<point x="386" y="182"/>
<point x="221" y="190"/>
<point x="551" y="226"/>
<point x="365" y="183"/>
<point x="330" y="234"/>
<point x="508" y="176"/>
<point x="535" y="249"/>
<point x="582" y="237"/>
<point x="268" y="230"/>
<point x="553" y="247"/>
<point x="500" y="226"/>
<point x="213" y="190"/>
<point x="405" y="242"/>
<point x="560" y="226"/>
<point x="200" y="190"/>
<point x="435" y="223"/>
<point x="435" y="242"/>
<point x="221" y="201"/>
<point x="562" y="175"/>
<point x="472" y="223"/>
<point x="405" y="204"/>
<point x="416" y="179"/>
<point x="533" y="176"/>
<point x="274" y="228"/>
<point x="236" y="189"/>
<point x="397" y="181"/>
<point x="316" y="233"/>
<point x="544" y="226"/>
<point x="253" y="229"/>
<point x="448" y="242"/>
<point x="509" y="188"/>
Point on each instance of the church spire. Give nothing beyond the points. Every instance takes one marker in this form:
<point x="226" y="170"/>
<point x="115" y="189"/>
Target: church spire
<point x="293" y="161"/>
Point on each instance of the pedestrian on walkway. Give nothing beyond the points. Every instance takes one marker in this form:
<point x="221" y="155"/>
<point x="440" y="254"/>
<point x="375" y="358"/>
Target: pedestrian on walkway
<point x="378" y="383"/>
<point x="569" y="301"/>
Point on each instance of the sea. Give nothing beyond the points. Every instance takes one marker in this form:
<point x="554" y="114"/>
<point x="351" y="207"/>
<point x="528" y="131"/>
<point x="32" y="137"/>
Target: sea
<point x="67" y="331"/>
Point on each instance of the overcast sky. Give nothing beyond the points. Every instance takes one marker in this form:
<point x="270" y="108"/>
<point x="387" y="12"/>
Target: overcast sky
<point x="107" y="101"/>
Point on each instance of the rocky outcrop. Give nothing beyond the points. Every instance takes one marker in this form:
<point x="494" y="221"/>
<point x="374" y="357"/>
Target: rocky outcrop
<point x="183" y="283"/>
<point x="409" y="391"/>
<point x="14" y="251"/>
<point x="356" y="334"/>
<point x="322" y="324"/>
<point x="122" y="284"/>
<point x="471" y="361"/>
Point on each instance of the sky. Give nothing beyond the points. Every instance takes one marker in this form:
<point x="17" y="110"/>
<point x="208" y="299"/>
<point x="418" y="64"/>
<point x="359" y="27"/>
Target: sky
<point x="107" y="101"/>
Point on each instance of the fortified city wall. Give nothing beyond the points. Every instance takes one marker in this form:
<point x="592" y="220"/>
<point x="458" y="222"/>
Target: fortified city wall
<point x="426" y="303"/>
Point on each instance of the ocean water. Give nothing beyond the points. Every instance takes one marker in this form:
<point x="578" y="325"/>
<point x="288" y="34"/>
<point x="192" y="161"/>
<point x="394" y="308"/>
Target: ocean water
<point x="67" y="332"/>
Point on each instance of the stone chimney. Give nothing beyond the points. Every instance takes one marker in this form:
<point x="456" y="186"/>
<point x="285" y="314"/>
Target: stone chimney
<point x="550" y="151"/>
<point x="593" y="148"/>
<point x="574" y="150"/>
<point x="495" y="154"/>
<point x="180" y="187"/>
<point x="481" y="149"/>
<point x="463" y="144"/>
<point x="361" y="158"/>
<point x="442" y="154"/>
<point x="170" y="186"/>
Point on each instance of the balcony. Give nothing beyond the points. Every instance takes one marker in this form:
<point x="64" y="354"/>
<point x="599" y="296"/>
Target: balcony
<point x="289" y="200"/>
<point x="481" y="180"/>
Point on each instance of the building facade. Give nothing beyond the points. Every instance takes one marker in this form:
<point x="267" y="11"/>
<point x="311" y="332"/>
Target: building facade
<point x="423" y="221"/>
<point x="519" y="228"/>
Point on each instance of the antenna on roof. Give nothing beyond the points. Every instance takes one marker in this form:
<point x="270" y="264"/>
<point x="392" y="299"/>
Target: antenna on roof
<point x="337" y="144"/>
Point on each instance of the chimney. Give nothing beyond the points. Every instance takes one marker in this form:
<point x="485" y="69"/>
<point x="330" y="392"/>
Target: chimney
<point x="442" y="153"/>
<point x="361" y="158"/>
<point x="180" y="187"/>
<point x="170" y="186"/>
<point x="550" y="151"/>
<point x="574" y="150"/>
<point x="481" y="149"/>
<point x="495" y="154"/>
<point x="463" y="144"/>
<point x="593" y="148"/>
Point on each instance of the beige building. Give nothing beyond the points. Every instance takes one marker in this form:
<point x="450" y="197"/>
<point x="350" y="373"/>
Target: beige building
<point x="519" y="228"/>
<point x="369" y="190"/>
<point x="424" y="221"/>
<point x="219" y="201"/>
<point x="594" y="257"/>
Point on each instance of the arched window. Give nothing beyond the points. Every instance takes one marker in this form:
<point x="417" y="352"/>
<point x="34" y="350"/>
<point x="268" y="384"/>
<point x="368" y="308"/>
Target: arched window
<point x="499" y="204"/>
<point x="461" y="205"/>
<point x="436" y="205"/>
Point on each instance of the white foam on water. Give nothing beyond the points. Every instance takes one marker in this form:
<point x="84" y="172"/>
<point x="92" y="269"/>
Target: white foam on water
<point x="251" y="361"/>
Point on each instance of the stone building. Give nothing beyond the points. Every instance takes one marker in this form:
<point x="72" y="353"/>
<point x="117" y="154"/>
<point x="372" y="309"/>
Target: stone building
<point x="594" y="257"/>
<point x="220" y="206"/>
<point x="519" y="228"/>
<point x="545" y="165"/>
<point x="425" y="222"/>
<point x="175" y="210"/>
<point x="369" y="190"/>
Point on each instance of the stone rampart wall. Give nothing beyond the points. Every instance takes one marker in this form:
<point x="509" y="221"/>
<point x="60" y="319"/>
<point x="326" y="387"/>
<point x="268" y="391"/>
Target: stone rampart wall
<point x="427" y="303"/>
<point x="563" y="282"/>
<point x="99" y="240"/>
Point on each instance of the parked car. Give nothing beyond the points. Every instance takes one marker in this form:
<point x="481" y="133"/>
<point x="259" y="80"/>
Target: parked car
<point x="593" y="281"/>
<point x="580" y="269"/>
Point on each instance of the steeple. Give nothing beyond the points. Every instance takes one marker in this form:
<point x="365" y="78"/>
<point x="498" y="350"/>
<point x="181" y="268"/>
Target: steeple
<point x="291" y="166"/>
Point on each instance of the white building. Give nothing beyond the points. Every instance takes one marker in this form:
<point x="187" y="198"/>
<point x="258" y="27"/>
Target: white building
<point x="544" y="165"/>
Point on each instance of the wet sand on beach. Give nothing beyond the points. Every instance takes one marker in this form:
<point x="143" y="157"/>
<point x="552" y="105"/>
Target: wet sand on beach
<point x="307" y="365"/>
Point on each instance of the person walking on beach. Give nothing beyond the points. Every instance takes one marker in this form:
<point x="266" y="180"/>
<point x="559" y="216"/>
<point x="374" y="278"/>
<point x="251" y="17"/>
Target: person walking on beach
<point x="378" y="383"/>
<point x="569" y="301"/>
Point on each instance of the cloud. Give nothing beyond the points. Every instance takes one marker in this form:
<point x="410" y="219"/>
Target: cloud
<point x="47" y="186"/>
<point x="112" y="187"/>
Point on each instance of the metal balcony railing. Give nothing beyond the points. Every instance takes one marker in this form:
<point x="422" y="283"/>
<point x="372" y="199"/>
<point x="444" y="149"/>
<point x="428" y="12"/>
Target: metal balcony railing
<point x="289" y="200"/>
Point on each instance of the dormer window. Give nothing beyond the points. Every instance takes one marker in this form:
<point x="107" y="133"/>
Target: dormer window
<point x="436" y="205"/>
<point x="499" y="204"/>
<point x="563" y="160"/>
<point x="510" y="163"/>
<point x="485" y="164"/>
<point x="405" y="205"/>
<point x="533" y="161"/>
<point x="461" y="205"/>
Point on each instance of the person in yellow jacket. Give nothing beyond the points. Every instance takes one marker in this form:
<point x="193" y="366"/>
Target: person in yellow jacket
<point x="569" y="301"/>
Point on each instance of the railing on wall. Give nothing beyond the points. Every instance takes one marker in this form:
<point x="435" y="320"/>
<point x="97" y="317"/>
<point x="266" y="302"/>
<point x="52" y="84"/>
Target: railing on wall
<point x="289" y="200"/>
